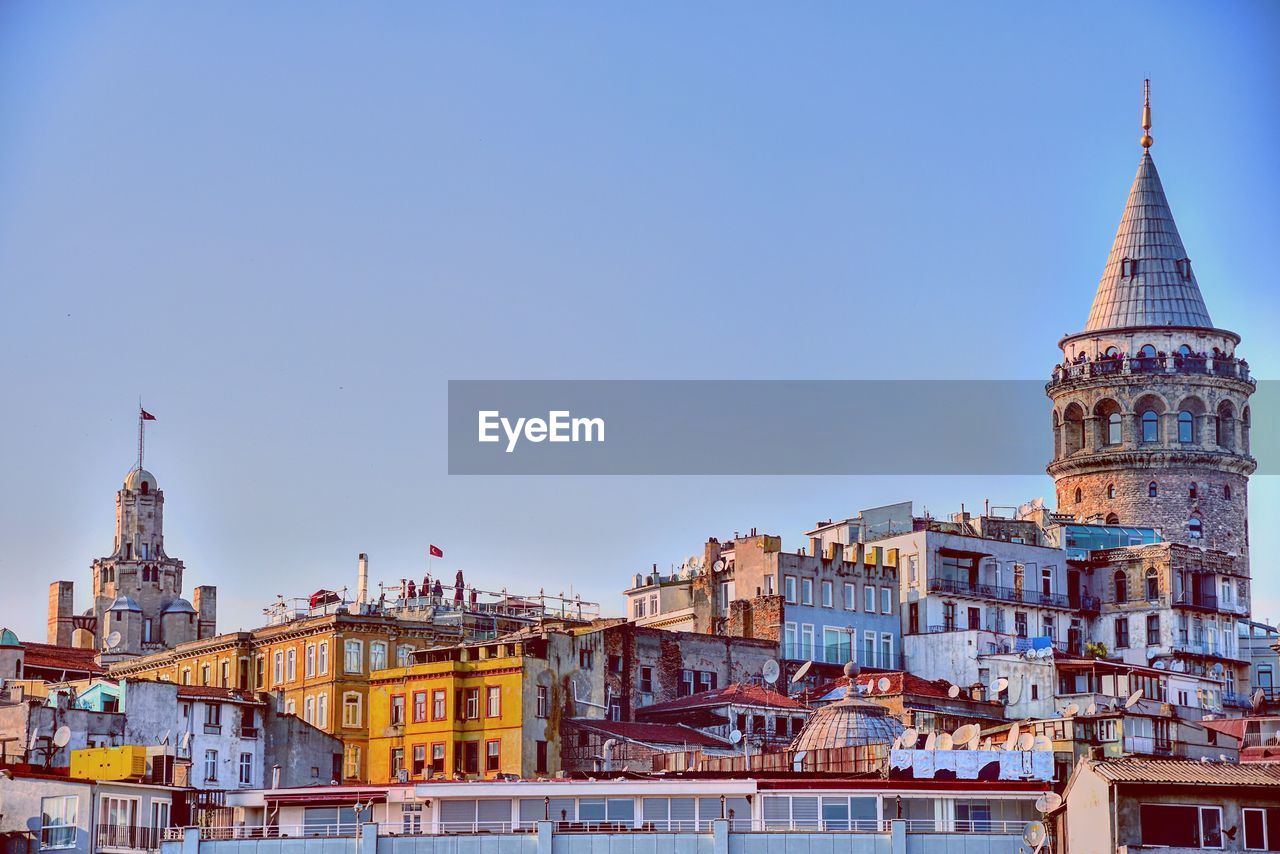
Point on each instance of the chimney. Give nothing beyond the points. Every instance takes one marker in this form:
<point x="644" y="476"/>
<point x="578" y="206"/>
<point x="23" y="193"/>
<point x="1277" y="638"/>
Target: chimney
<point x="362" y="579"/>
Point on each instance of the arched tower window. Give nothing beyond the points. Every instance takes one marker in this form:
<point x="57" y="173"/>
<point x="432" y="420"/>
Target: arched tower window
<point x="1226" y="491"/>
<point x="1114" y="433"/>
<point x="1150" y="426"/>
<point x="146" y="487"/>
<point x="1111" y="490"/>
<point x="1072" y="429"/>
<point x="1153" y="585"/>
<point x="1147" y="351"/>
<point x="1225" y="428"/>
<point x="1192" y="490"/>
<point x="1122" y="586"/>
<point x="1079" y="495"/>
<point x="1113" y="519"/>
<point x="1152" y="489"/>
<point x="1195" y="528"/>
<point x="1186" y="427"/>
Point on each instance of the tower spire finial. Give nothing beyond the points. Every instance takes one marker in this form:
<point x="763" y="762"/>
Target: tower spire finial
<point x="1146" y="114"/>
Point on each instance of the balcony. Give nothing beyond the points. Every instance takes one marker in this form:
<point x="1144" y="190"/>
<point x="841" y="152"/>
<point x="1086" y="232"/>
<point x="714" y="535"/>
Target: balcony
<point x="1145" y="745"/>
<point x="988" y="592"/>
<point x="130" y="837"/>
<point x="1177" y="364"/>
<point x="1206" y="651"/>
<point x="1196" y="601"/>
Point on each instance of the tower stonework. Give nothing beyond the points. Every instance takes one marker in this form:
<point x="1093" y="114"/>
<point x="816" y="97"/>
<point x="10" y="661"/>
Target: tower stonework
<point x="1151" y="411"/>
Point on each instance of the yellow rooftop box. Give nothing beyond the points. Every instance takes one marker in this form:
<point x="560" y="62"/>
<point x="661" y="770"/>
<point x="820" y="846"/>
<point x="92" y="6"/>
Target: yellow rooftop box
<point x="128" y="762"/>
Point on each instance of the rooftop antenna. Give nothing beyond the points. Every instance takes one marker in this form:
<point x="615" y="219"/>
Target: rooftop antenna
<point x="143" y="417"/>
<point x="1146" y="115"/>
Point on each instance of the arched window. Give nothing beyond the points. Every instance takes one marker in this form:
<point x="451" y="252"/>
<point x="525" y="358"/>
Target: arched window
<point x="1153" y="585"/>
<point x="1113" y="519"/>
<point x="1192" y="491"/>
<point x="1122" y="586"/>
<point x="1111" y="351"/>
<point x="1195" y="528"/>
<point x="1111" y="490"/>
<point x="1152" y="489"/>
<point x="1226" y="491"/>
<point x="146" y="487"/>
<point x="1079" y="495"/>
<point x="1184" y="350"/>
<point x="1186" y="427"/>
<point x="1150" y="426"/>
<point x="1147" y="352"/>
<point x="1113" y="429"/>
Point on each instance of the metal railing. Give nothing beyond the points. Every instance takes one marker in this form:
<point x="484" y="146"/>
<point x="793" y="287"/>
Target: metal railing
<point x="273" y="831"/>
<point x="129" y="836"/>
<point x="1146" y="745"/>
<point x="1025" y="595"/>
<point x="1169" y="364"/>
<point x="839" y="654"/>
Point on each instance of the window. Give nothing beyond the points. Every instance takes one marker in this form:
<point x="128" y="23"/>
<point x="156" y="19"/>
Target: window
<point x="1152" y="490"/>
<point x="471" y="757"/>
<point x="437" y="758"/>
<point x="886" y="650"/>
<point x="1113" y="429"/>
<point x="1261" y="831"/>
<point x="869" y="598"/>
<point x="790" y="646"/>
<point x="1195" y="528"/>
<point x="586" y="658"/>
<point x="1153" y="630"/>
<point x="806" y="640"/>
<point x="1122" y="586"/>
<point x="397" y="761"/>
<point x="351" y="761"/>
<point x="1186" y="427"/>
<point x="377" y="656"/>
<point x="309" y="709"/>
<point x="492" y="755"/>
<point x="419" y="706"/>
<point x="1107" y="730"/>
<point x="309" y="661"/>
<point x="1226" y="491"/>
<point x="913" y="568"/>
<point x="1192" y="490"/>
<point x="291" y="665"/>
<point x="1111" y="490"/>
<point x="1150" y="426"/>
<point x="397" y="709"/>
<point x="211" y="766"/>
<point x="1079" y="495"/>
<point x="886" y="600"/>
<point x="419" y="762"/>
<point x="1047" y="627"/>
<point x="204" y="674"/>
<point x="646" y="680"/>
<point x="245" y="776"/>
<point x="322" y="711"/>
<point x="542" y="705"/>
<point x="540" y="757"/>
<point x="351" y="712"/>
<point x="806" y="591"/>
<point x="850" y="597"/>
<point x="1122" y="632"/>
<point x="638" y="608"/>
<point x="768" y="587"/>
<point x="438" y="707"/>
<point x="1020" y="624"/>
<point x="706" y="681"/>
<point x="493" y="702"/>
<point x="322" y="664"/>
<point x="1181" y="826"/>
<point x="1046" y="580"/>
<point x="404" y="655"/>
<point x="471" y="708"/>
<point x="828" y="594"/>
<point x="1153" y="584"/>
<point x="789" y="588"/>
<point x="1128" y="267"/>
<point x="353" y="656"/>
<point x="949" y="616"/>
<point x="58" y="817"/>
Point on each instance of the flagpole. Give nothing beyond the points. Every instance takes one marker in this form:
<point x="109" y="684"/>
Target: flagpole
<point x="140" y="433"/>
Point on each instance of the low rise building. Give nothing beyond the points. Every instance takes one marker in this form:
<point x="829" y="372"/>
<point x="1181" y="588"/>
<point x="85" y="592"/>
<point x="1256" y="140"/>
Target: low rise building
<point x="764" y="719"/>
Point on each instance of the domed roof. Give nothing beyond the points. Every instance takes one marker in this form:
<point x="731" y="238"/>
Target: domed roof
<point x="9" y="638"/>
<point x="133" y="480"/>
<point x="124" y="603"/>
<point x="178" y="606"/>
<point x="848" y="722"/>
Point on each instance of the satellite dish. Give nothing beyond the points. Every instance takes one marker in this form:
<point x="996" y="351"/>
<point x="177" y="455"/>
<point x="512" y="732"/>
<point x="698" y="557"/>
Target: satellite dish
<point x="1092" y="710"/>
<point x="1035" y="835"/>
<point x="931" y="741"/>
<point x="910" y="736"/>
<point x="1257" y="699"/>
<point x="953" y="691"/>
<point x="1042" y="804"/>
<point x="771" y="671"/>
<point x="1026" y="741"/>
<point x="883" y="684"/>
<point x="1217" y="669"/>
<point x="1011" y="741"/>
<point x="1030" y="655"/>
<point x="1161" y="665"/>
<point x="719" y="565"/>
<point x="966" y="734"/>
<point x="943" y="741"/>
<point x="735" y="737"/>
<point x="986" y="743"/>
<point x="62" y="736"/>
<point x="1052" y="800"/>
<point x="1133" y="699"/>
<point x="186" y="741"/>
<point x="1152" y="653"/>
<point x="164" y="739"/>
<point x="113" y="640"/>
<point x="802" y="672"/>
<point x="35" y="737"/>
<point x="1041" y="743"/>
<point x="1071" y="710"/>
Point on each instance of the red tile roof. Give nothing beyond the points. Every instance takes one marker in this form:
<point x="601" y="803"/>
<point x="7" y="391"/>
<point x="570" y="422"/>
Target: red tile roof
<point x="914" y="686"/>
<point x="652" y="733"/>
<point x="1187" y="772"/>
<point x="199" y="692"/>
<point x="1227" y="726"/>
<point x="738" y="694"/>
<point x="49" y="657"/>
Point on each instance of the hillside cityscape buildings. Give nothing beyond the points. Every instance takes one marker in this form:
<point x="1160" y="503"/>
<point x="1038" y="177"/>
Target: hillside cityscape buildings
<point x="1079" y="677"/>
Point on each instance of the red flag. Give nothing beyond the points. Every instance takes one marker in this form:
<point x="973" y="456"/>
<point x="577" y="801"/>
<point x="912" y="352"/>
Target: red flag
<point x="435" y="551"/>
<point x="147" y="416"/>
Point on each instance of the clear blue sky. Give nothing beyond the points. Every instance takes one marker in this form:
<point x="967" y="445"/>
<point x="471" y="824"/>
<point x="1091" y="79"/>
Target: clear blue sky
<point x="287" y="225"/>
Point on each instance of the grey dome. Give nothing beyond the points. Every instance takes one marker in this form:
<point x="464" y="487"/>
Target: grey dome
<point x="125" y="603"/>
<point x="178" y="606"/>
<point x="848" y="722"/>
<point x="133" y="480"/>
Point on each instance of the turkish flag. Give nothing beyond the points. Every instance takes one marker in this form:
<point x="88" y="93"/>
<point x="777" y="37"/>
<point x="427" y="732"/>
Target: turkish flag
<point x="147" y="416"/>
<point x="434" y="551"/>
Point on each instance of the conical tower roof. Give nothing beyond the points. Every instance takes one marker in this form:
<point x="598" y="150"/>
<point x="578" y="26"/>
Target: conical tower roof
<point x="1161" y="289"/>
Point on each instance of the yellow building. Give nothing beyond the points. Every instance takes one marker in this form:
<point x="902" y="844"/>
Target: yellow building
<point x="474" y="711"/>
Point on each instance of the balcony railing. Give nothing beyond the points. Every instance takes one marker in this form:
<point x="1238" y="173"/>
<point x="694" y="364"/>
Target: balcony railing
<point x="1025" y="596"/>
<point x="1199" y="601"/>
<point x="1207" y="650"/>
<point x="839" y="654"/>
<point x="1172" y="364"/>
<point x="128" y="836"/>
<point x="1145" y="745"/>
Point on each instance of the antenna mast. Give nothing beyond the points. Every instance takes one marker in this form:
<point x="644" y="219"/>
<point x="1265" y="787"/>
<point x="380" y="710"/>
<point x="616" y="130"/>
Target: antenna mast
<point x="140" y="434"/>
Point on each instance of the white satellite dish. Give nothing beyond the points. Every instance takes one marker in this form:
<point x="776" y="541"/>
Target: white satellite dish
<point x="1035" y="835"/>
<point x="966" y="734"/>
<point x="35" y="737"/>
<point x="1161" y="665"/>
<point x="113" y="640"/>
<point x="1030" y="655"/>
<point x="1071" y="710"/>
<point x="931" y="741"/>
<point x="1041" y="743"/>
<point x="1011" y="740"/>
<point x="771" y="671"/>
<point x="1257" y="699"/>
<point x="719" y="565"/>
<point x="1026" y="741"/>
<point x="802" y="672"/>
<point x="1092" y="710"/>
<point x="164" y="739"/>
<point x="953" y="691"/>
<point x="1152" y="653"/>
<point x="1052" y="800"/>
<point x="735" y="737"/>
<point x="883" y="684"/>
<point x="1133" y="699"/>
<point x="186" y="741"/>
<point x="944" y="741"/>
<point x="62" y="736"/>
<point x="910" y="736"/>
